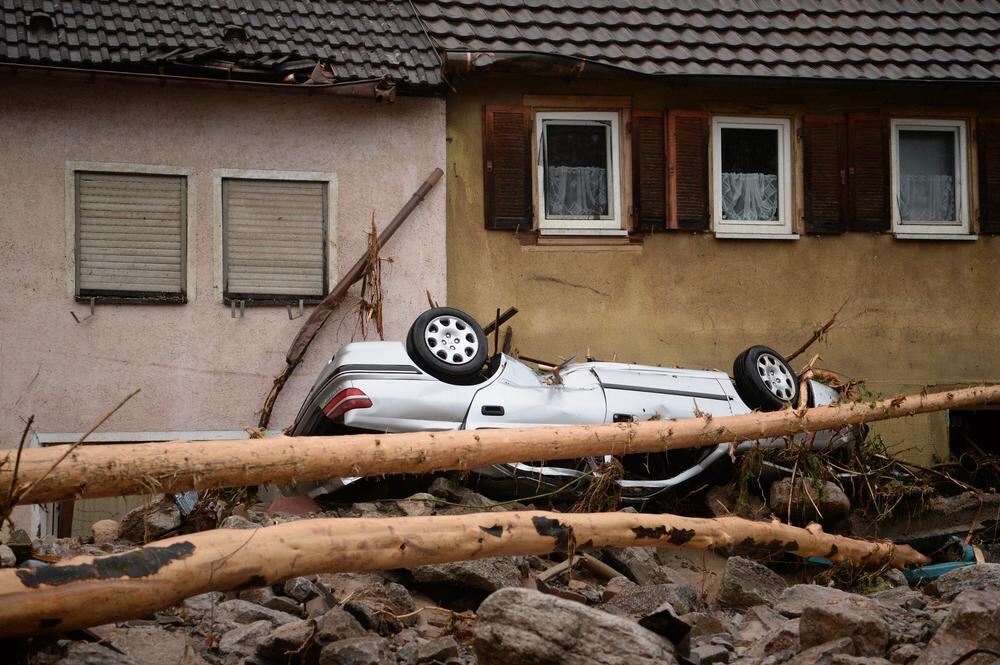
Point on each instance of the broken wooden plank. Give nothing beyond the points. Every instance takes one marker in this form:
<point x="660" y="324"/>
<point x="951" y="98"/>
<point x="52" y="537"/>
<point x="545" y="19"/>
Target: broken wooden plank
<point x="179" y="466"/>
<point x="88" y="591"/>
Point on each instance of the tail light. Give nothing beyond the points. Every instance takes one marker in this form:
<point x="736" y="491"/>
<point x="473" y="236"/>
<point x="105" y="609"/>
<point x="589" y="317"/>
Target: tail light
<point x="344" y="401"/>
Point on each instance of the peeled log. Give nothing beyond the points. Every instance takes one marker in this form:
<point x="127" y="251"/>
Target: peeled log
<point x="179" y="466"/>
<point x="88" y="591"/>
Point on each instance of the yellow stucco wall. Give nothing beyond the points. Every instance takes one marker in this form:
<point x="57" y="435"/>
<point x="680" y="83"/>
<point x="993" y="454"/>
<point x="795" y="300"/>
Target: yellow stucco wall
<point x="920" y="313"/>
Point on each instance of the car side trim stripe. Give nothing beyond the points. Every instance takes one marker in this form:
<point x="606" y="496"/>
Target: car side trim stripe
<point x="387" y="369"/>
<point x="664" y="391"/>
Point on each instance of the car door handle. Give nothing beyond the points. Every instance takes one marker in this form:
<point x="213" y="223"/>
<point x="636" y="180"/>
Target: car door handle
<point x="492" y="410"/>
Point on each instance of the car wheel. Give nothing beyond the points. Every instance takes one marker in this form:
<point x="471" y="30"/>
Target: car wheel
<point x="448" y="344"/>
<point x="764" y="380"/>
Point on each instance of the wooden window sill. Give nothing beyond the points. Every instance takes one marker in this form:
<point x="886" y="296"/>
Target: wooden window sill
<point x="618" y="241"/>
<point x="935" y="236"/>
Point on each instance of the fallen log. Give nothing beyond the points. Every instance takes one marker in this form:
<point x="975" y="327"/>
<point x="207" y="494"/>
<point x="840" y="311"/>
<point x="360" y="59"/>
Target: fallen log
<point x="88" y="591"/>
<point x="179" y="466"/>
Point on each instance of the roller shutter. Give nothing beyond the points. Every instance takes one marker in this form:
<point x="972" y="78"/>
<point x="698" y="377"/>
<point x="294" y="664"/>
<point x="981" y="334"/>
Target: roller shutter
<point x="130" y="234"/>
<point x="274" y="239"/>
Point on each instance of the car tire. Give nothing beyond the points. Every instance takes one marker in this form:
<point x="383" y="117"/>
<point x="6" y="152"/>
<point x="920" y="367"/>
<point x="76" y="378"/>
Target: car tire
<point x="764" y="379"/>
<point x="448" y="344"/>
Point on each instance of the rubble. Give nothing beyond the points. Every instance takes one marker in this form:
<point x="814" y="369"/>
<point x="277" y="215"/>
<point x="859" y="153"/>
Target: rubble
<point x="812" y="500"/>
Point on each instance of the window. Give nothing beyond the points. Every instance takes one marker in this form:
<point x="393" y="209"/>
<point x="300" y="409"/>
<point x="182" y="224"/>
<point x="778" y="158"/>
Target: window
<point x="578" y="172"/>
<point x="131" y="236"/>
<point x="929" y="183"/>
<point x="751" y="174"/>
<point x="274" y="240"/>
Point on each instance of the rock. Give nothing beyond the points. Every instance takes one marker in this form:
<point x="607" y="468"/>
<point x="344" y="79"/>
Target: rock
<point x="728" y="501"/>
<point x="300" y="589"/>
<point x="971" y="624"/>
<point x="105" y="531"/>
<point x="615" y="586"/>
<point x="855" y="616"/>
<point x="746" y="583"/>
<point x="703" y="624"/>
<point x="795" y="599"/>
<point x="203" y="603"/>
<point x="260" y="595"/>
<point x="150" y="644"/>
<point x="844" y="659"/>
<point x="243" y="640"/>
<point x="823" y="654"/>
<point x="437" y="650"/>
<point x="833" y="504"/>
<point x="783" y="637"/>
<point x="904" y="654"/>
<point x="489" y="574"/>
<point x="88" y="653"/>
<point x="237" y="522"/>
<point x="316" y="607"/>
<point x="369" y="650"/>
<point x="242" y="611"/>
<point x="337" y="624"/>
<point x="531" y="628"/>
<point x="984" y="577"/>
<point x="20" y="544"/>
<point x="758" y="621"/>
<point x="896" y="578"/>
<point x="421" y="504"/>
<point x="640" y="601"/>
<point x="289" y="637"/>
<point x="705" y="654"/>
<point x="141" y="525"/>
<point x="639" y="564"/>
<point x="7" y="558"/>
<point x="376" y="607"/>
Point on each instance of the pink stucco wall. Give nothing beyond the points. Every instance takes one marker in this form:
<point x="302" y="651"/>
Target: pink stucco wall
<point x="198" y="368"/>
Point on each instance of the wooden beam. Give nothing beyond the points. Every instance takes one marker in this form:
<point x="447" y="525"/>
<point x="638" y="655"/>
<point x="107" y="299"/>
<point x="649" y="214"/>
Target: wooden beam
<point x="85" y="591"/>
<point x="179" y="466"/>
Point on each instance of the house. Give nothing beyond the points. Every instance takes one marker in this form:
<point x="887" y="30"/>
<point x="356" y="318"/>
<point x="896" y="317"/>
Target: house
<point x="184" y="179"/>
<point x="673" y="182"/>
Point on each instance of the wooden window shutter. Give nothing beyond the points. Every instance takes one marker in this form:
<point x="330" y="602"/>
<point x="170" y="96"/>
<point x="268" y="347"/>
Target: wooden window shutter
<point x="131" y="234"/>
<point x="507" y="167"/>
<point x="825" y="165"/>
<point x="868" y="172"/>
<point x="988" y="143"/>
<point x="687" y="147"/>
<point x="649" y="170"/>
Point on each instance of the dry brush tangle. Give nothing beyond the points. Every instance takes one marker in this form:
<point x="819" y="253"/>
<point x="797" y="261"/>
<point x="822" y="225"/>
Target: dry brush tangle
<point x="88" y="591"/>
<point x="179" y="466"/>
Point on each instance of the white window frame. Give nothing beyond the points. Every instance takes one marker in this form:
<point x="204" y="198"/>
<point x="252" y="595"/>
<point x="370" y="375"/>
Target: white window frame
<point x="332" y="193"/>
<point x="613" y="224"/>
<point x="780" y="228"/>
<point x="946" y="229"/>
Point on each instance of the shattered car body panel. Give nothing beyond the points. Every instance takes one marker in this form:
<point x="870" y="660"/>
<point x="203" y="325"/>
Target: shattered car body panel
<point x="401" y="397"/>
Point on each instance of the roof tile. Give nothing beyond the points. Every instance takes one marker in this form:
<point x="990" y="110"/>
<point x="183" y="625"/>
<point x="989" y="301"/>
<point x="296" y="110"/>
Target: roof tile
<point x="834" y="39"/>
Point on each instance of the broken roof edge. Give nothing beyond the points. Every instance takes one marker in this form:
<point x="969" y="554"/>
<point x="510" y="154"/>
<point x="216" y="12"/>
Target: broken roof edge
<point x="381" y="89"/>
<point x="525" y="61"/>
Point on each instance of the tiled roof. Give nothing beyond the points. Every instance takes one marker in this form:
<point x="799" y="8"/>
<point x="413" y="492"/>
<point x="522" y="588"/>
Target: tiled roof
<point x="255" y="39"/>
<point x="826" y="39"/>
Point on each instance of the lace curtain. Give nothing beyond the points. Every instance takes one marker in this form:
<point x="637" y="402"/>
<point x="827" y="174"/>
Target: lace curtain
<point x="749" y="196"/>
<point x="926" y="198"/>
<point x="576" y="190"/>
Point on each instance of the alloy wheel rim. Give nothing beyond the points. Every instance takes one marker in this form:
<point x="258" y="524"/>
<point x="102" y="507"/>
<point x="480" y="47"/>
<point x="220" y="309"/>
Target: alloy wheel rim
<point x="451" y="340"/>
<point x="776" y="377"/>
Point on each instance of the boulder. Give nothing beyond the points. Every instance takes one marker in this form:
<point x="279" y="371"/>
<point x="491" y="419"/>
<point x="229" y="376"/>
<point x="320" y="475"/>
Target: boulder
<point x="984" y="577"/>
<point x="795" y="599"/>
<point x="144" y="524"/>
<point x="855" y="616"/>
<point x="728" y="501"/>
<point x="377" y="607"/>
<point x="531" y="628"/>
<point x="831" y="501"/>
<point x="971" y="624"/>
<point x="242" y="640"/>
<point x="640" y="565"/>
<point x="368" y="650"/>
<point x="782" y="638"/>
<point x="242" y="611"/>
<point x="300" y="589"/>
<point x="105" y="531"/>
<point x="203" y="602"/>
<point x="437" y="650"/>
<point x="488" y="575"/>
<point x="640" y="601"/>
<point x="746" y="583"/>
<point x="283" y="639"/>
<point x="421" y="504"/>
<point x="335" y="625"/>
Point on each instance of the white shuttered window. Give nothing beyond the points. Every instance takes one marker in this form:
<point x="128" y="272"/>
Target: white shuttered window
<point x="130" y="235"/>
<point x="274" y="239"/>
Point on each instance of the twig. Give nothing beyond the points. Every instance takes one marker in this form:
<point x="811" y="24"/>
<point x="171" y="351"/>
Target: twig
<point x="817" y="333"/>
<point x="26" y="491"/>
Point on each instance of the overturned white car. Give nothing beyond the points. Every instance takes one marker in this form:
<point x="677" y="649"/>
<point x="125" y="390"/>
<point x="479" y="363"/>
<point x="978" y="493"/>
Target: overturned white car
<point x="441" y="379"/>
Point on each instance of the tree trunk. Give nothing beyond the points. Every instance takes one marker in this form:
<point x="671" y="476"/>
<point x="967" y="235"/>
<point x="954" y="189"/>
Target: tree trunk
<point x="86" y="592"/>
<point x="179" y="466"/>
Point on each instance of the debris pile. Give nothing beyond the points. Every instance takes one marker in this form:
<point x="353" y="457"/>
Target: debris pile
<point x="603" y="605"/>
